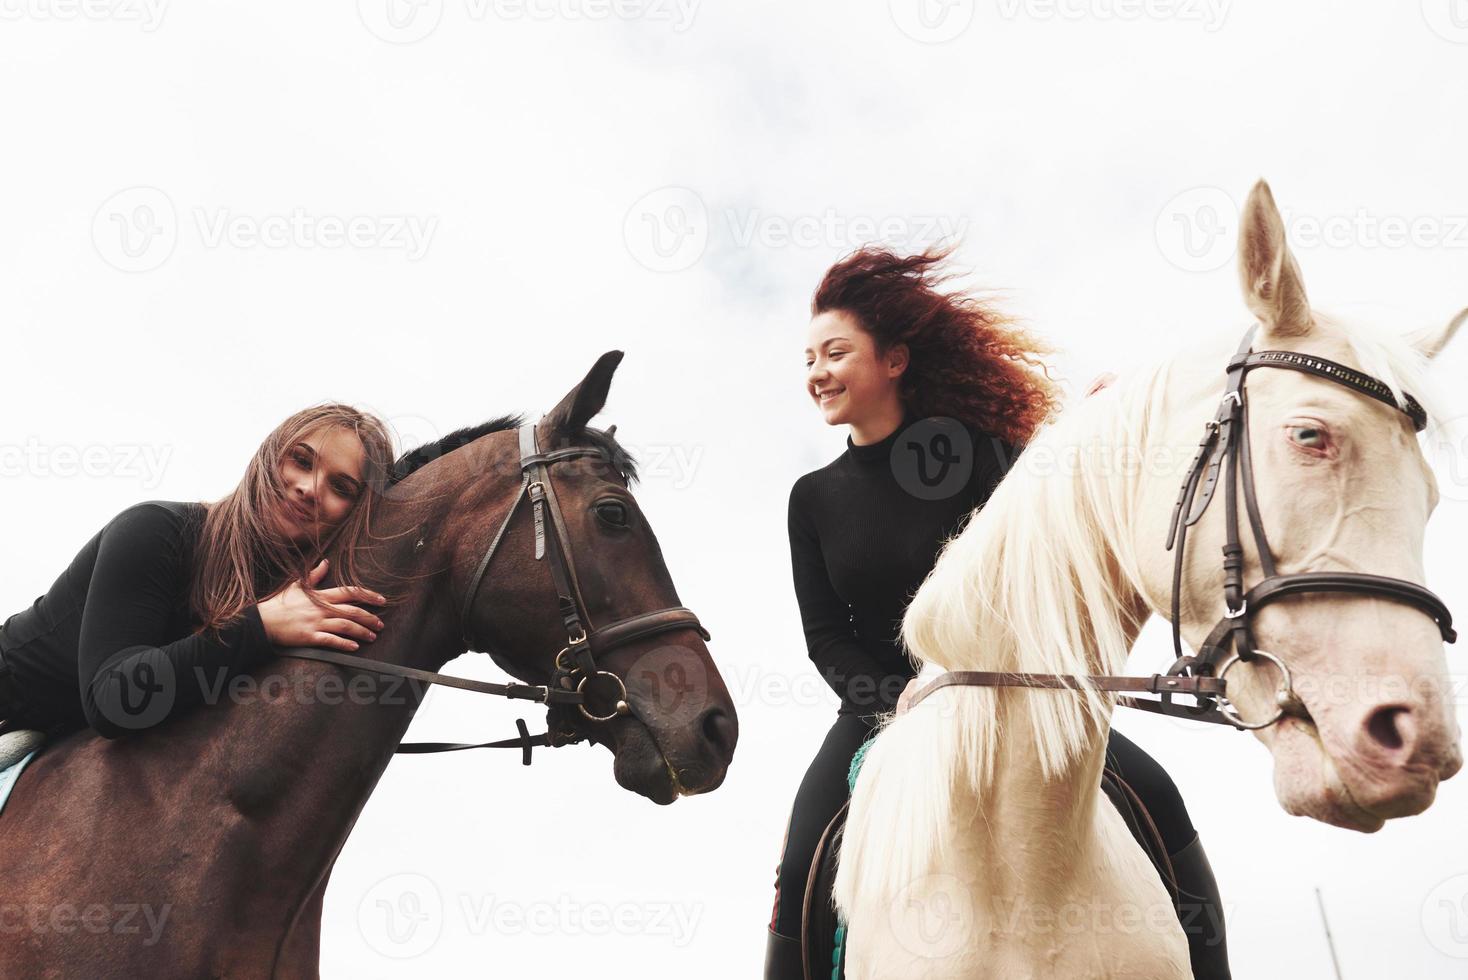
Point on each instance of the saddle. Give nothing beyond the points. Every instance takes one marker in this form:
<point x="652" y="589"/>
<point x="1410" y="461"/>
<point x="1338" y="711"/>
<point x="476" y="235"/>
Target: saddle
<point x="821" y="931"/>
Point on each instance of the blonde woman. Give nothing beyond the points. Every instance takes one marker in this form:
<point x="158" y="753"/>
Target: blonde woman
<point x="170" y="599"/>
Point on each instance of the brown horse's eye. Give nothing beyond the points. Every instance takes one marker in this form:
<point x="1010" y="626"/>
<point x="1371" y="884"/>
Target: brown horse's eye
<point x="612" y="513"/>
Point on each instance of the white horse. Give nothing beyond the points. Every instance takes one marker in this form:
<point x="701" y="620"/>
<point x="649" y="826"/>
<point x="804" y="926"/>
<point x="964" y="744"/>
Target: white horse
<point x="978" y="843"/>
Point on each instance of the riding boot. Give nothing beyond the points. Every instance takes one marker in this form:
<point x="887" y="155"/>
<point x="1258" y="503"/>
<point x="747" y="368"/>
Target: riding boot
<point x="1200" y="911"/>
<point x="782" y="958"/>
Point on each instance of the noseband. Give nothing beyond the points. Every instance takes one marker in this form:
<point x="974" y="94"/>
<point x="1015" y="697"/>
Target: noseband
<point x="574" y="668"/>
<point x="1204" y="676"/>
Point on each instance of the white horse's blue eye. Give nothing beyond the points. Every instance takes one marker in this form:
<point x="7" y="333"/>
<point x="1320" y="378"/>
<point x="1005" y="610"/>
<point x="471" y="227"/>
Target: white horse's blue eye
<point x="1308" y="435"/>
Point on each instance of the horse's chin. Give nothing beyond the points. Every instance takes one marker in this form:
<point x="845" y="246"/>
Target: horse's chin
<point x="1309" y="784"/>
<point x="638" y="764"/>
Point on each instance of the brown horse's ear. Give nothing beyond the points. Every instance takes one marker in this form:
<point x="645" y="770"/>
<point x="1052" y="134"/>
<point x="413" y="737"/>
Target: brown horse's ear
<point x="1432" y="340"/>
<point x="1273" y="287"/>
<point x="586" y="399"/>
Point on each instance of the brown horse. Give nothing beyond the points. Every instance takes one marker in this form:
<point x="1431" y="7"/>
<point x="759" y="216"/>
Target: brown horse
<point x="203" y="849"/>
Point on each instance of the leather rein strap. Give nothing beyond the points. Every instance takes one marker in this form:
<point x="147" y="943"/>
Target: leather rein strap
<point x="1226" y="442"/>
<point x="574" y="667"/>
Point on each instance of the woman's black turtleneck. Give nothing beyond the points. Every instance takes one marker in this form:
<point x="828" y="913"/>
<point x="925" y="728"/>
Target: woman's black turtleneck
<point x="112" y="645"/>
<point x="865" y="531"/>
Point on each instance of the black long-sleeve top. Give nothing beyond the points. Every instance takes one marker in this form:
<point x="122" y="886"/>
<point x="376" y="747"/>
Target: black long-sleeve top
<point x="865" y="530"/>
<point x="111" y="644"/>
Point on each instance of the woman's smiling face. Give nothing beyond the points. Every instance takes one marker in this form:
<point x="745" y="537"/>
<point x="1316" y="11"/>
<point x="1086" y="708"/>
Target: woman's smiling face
<point x="322" y="478"/>
<point x="844" y="374"/>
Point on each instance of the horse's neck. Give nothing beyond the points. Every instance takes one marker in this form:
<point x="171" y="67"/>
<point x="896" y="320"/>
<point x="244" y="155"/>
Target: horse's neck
<point x="299" y="767"/>
<point x="1032" y="834"/>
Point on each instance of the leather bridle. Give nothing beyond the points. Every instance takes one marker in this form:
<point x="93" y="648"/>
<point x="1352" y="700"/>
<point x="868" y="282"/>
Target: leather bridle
<point x="1204" y="676"/>
<point x="575" y="667"/>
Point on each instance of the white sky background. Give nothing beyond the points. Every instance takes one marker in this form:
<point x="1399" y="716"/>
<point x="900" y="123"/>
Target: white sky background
<point x="524" y="148"/>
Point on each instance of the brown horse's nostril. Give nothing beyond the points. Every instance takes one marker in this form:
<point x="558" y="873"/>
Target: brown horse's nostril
<point x="1392" y="727"/>
<point x="721" y="730"/>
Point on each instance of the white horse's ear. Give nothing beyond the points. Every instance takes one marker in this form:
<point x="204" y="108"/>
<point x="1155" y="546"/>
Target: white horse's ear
<point x="1273" y="287"/>
<point x="1431" y="340"/>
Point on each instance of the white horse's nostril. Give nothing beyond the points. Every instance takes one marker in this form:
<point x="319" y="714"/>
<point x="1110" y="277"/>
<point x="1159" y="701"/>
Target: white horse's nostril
<point x="1393" y="728"/>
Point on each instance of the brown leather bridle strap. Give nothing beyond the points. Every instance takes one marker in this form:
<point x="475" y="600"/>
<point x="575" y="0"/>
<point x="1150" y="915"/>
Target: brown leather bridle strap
<point x="647" y="624"/>
<point x="522" y="692"/>
<point x="1155" y="684"/>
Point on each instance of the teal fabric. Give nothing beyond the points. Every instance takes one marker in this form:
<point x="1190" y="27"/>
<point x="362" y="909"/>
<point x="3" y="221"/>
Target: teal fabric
<point x="856" y="761"/>
<point x="10" y="775"/>
<point x="838" y="954"/>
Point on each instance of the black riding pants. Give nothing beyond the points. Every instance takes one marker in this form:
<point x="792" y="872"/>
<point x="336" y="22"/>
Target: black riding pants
<point x="824" y="790"/>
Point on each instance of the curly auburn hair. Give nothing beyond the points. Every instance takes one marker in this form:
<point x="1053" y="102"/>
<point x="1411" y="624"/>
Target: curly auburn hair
<point x="966" y="360"/>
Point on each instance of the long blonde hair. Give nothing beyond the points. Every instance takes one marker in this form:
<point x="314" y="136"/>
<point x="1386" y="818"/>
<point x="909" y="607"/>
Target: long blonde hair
<point x="241" y="557"/>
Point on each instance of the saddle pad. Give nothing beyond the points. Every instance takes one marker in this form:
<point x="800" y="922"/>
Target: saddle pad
<point x="823" y="935"/>
<point x="10" y="775"/>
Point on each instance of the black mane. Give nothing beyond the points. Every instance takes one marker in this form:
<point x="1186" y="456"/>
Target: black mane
<point x="414" y="459"/>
